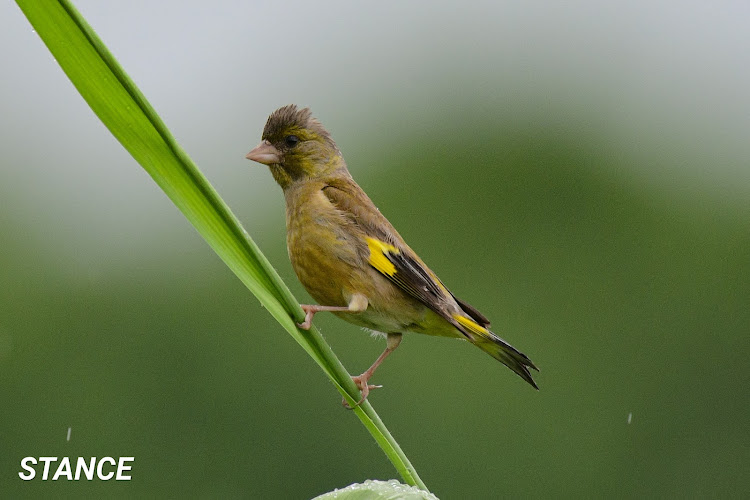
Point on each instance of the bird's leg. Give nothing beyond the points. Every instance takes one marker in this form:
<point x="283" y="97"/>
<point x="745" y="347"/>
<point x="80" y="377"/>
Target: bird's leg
<point x="394" y="339"/>
<point x="311" y="309"/>
<point x="357" y="303"/>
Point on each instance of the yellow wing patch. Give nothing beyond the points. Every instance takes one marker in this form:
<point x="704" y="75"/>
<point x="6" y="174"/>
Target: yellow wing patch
<point x="470" y="325"/>
<point x="378" y="259"/>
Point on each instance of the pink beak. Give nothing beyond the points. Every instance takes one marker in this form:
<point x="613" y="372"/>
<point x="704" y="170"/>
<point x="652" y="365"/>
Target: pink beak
<point x="264" y="153"/>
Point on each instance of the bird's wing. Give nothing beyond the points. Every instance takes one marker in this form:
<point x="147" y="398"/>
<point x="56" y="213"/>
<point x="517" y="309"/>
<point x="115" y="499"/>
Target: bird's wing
<point x="386" y="251"/>
<point x="407" y="273"/>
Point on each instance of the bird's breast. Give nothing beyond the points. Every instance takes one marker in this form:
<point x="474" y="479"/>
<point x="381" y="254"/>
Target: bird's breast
<point x="323" y="251"/>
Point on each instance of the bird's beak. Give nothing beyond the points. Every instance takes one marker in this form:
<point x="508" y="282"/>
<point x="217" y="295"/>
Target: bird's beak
<point x="264" y="153"/>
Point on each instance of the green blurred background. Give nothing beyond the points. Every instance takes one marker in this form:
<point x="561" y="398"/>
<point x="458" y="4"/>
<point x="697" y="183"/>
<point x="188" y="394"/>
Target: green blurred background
<point x="579" y="173"/>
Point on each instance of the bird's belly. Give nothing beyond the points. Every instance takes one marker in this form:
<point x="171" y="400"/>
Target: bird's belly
<point x="415" y="318"/>
<point x="375" y="321"/>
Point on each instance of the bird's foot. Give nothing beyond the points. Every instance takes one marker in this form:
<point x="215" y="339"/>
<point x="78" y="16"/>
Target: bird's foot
<point x="364" y="389"/>
<point x="309" y="313"/>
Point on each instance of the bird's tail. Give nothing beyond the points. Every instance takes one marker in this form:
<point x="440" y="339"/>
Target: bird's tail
<point x="497" y="348"/>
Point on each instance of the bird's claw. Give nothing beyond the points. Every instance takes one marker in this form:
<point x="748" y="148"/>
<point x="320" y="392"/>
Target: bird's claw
<point x="309" y="313"/>
<point x="364" y="389"/>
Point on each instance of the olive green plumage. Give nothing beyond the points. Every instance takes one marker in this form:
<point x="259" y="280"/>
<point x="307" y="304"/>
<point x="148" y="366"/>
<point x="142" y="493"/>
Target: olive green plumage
<point x="350" y="258"/>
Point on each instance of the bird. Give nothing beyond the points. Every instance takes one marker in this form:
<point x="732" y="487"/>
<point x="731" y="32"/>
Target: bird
<point x="349" y="257"/>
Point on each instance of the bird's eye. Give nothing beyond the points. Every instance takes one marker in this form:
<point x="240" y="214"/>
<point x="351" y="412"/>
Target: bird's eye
<point x="291" y="140"/>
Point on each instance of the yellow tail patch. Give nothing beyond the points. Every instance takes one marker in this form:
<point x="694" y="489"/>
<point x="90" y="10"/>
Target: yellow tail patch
<point x="470" y="324"/>
<point x="378" y="259"/>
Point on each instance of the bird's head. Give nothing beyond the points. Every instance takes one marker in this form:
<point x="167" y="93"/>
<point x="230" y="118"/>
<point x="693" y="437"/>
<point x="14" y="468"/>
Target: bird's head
<point x="296" y="147"/>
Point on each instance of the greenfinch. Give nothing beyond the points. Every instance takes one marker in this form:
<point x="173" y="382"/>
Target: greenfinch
<point x="350" y="258"/>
